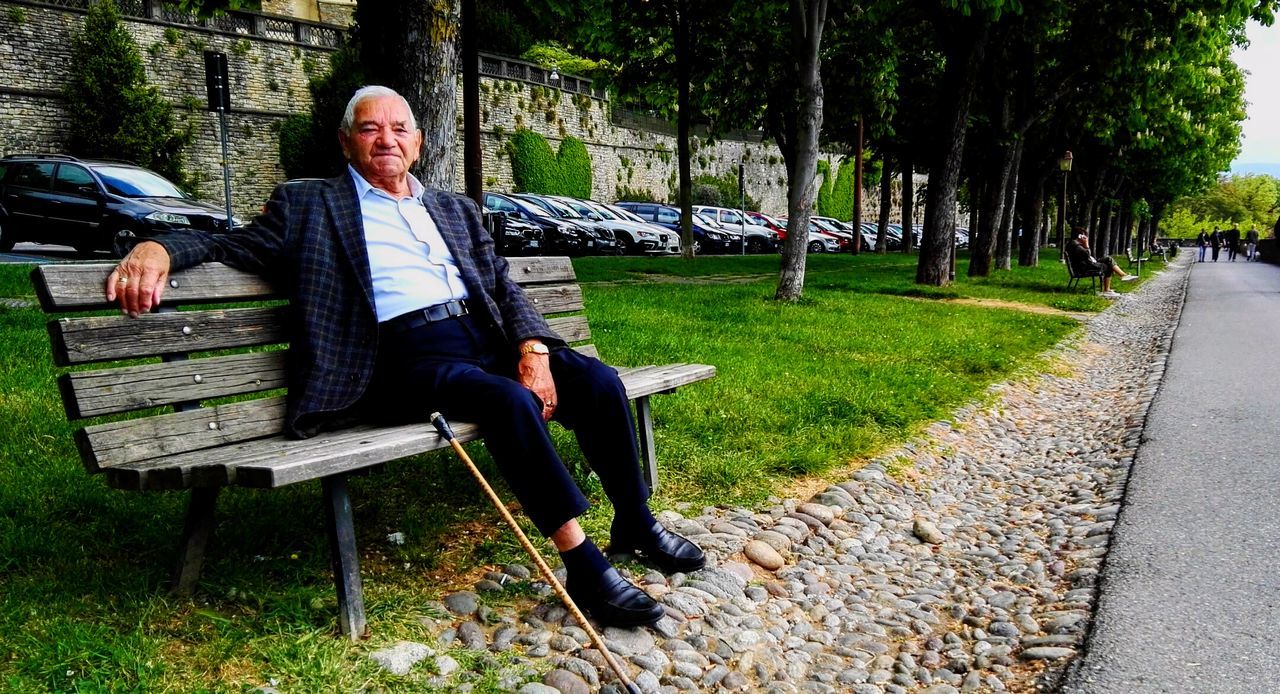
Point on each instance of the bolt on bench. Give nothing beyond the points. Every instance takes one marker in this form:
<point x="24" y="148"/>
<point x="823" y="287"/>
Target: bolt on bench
<point x="188" y="425"/>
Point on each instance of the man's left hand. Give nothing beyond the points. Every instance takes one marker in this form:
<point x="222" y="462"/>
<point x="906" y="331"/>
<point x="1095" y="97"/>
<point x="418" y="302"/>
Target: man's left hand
<point x="534" y="373"/>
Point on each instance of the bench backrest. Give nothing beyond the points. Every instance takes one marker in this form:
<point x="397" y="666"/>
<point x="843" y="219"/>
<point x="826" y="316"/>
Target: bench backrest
<point x="208" y="368"/>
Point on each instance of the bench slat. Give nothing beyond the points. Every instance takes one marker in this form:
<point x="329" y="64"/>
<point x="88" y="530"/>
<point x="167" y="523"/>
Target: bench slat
<point x="79" y="287"/>
<point x="118" y="443"/>
<point x="571" y="328"/>
<point x="111" y="391"/>
<point x="556" y="298"/>
<point x="103" y="338"/>
<point x="260" y="457"/>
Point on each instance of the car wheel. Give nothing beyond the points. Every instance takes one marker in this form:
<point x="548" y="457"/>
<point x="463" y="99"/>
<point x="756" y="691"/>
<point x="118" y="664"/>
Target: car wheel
<point x="815" y="247"/>
<point x="755" y="246"/>
<point x="697" y="247"/>
<point x="6" y="240"/>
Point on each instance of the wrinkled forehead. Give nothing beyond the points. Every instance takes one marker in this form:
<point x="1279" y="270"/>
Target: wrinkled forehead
<point x="384" y="110"/>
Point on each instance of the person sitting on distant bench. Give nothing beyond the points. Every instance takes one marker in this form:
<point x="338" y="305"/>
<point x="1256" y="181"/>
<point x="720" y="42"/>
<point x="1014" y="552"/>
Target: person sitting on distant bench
<point x="1081" y="258"/>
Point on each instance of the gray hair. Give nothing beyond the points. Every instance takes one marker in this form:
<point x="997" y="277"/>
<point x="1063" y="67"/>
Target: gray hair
<point x="372" y="92"/>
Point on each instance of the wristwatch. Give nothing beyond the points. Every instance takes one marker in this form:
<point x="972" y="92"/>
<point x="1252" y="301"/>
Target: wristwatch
<point x="535" y="348"/>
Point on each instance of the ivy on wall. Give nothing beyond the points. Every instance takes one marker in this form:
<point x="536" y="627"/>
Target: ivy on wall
<point x="536" y="169"/>
<point x="835" y="197"/>
<point x="113" y="111"/>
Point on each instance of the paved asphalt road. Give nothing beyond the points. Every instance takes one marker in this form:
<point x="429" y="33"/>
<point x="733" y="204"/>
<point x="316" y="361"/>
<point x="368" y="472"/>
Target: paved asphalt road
<point x="1190" y="594"/>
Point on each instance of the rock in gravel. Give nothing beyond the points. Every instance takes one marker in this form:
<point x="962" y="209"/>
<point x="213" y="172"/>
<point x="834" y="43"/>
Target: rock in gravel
<point x="764" y="555"/>
<point x="400" y="658"/>
<point x="928" y="532"/>
<point x="1047" y="653"/>
<point x="818" y="511"/>
<point x="463" y="604"/>
<point x="566" y="682"/>
<point x="536" y="688"/>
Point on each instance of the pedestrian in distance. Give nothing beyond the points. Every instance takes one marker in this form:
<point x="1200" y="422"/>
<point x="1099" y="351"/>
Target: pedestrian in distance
<point x="1251" y="243"/>
<point x="1203" y="242"/>
<point x="402" y="308"/>
<point x="1081" y="258"/>
<point x="1215" y="242"/>
<point x="1233" y="242"/>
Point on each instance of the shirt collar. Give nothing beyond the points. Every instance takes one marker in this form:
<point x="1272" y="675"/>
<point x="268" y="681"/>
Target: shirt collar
<point x="363" y="186"/>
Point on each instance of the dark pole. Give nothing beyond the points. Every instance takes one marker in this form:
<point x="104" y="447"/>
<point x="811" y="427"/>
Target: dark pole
<point x="857" y="191"/>
<point x="472" y="162"/>
<point x="1065" y="165"/>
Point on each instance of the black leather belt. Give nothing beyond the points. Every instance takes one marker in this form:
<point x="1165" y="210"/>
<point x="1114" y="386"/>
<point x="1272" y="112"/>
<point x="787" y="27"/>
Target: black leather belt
<point x="420" y="317"/>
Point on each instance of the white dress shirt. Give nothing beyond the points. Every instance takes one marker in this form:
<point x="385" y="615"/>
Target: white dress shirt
<point x="412" y="267"/>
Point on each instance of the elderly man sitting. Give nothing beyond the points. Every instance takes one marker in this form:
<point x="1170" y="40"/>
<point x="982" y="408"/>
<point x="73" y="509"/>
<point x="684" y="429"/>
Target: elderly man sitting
<point x="1081" y="258"/>
<point x="402" y="307"/>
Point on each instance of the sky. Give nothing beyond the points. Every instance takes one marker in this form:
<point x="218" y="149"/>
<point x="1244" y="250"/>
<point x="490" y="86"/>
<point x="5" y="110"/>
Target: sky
<point x="1261" y="62"/>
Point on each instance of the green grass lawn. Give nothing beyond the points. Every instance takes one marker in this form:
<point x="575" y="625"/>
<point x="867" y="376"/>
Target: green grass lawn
<point x="803" y="389"/>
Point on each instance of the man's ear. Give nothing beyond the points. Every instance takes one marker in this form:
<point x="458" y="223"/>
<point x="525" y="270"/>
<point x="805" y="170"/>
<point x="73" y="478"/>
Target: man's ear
<point x="344" y="143"/>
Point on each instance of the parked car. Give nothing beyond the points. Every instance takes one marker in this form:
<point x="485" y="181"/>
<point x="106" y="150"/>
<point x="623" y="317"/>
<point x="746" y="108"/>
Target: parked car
<point x="558" y="236"/>
<point x="89" y="203"/>
<point x="602" y="241"/>
<point x="819" y="242"/>
<point x="668" y="240"/>
<point x="634" y="237"/>
<point x="759" y="238"/>
<point x="707" y="236"/>
<point x="511" y="234"/>
<point x="833" y="229"/>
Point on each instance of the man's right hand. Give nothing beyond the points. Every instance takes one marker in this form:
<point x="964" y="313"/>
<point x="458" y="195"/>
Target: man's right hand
<point x="139" y="280"/>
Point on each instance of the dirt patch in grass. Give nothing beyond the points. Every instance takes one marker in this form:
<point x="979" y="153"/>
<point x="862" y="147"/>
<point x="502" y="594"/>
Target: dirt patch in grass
<point x="1011" y="305"/>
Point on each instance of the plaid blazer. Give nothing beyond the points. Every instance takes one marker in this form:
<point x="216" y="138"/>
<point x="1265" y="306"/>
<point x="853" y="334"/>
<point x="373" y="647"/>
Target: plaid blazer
<point x="310" y="241"/>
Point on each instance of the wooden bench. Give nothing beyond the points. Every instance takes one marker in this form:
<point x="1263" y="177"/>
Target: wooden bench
<point x="1075" y="274"/>
<point x="192" y="398"/>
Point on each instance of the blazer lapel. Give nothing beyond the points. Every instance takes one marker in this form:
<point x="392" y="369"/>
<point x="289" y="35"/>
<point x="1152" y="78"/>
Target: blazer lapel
<point x="344" y="207"/>
<point x="455" y="237"/>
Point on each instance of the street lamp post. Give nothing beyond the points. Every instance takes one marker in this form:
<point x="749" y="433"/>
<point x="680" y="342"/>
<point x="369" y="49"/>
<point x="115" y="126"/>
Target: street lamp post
<point x="1064" y="165"/>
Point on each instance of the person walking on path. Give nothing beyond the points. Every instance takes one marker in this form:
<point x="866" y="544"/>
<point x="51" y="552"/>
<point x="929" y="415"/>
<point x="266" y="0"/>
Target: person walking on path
<point x="1215" y="241"/>
<point x="1251" y="243"/>
<point x="1203" y="242"/>
<point x="1233" y="243"/>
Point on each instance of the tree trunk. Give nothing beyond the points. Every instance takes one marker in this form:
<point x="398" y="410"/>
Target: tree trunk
<point x="908" y="207"/>
<point x="801" y="150"/>
<point x="857" y="191"/>
<point x="886" y="207"/>
<point x="981" y="253"/>
<point x="1100" y="239"/>
<point x="1033" y="223"/>
<point x="1004" y="243"/>
<point x="413" y="48"/>
<point x="944" y="173"/>
<point x="473" y="155"/>
<point x="684" y="118"/>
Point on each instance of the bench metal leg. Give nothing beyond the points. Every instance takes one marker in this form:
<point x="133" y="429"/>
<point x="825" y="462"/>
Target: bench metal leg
<point x="648" y="456"/>
<point x="346" y="561"/>
<point x="195" y="537"/>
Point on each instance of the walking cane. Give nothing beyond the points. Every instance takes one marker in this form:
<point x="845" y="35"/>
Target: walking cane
<point x="446" y="432"/>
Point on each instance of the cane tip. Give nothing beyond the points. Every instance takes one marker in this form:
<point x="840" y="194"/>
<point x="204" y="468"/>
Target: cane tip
<point x="435" y="416"/>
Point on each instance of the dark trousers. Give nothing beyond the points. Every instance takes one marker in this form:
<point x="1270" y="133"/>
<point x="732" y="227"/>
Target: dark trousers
<point x="467" y="373"/>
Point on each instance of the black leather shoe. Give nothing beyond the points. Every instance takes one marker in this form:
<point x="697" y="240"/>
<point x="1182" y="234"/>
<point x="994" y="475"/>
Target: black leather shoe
<point x="661" y="547"/>
<point x="614" y="601"/>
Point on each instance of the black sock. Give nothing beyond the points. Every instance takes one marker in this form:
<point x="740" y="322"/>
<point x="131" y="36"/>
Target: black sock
<point x="633" y="520"/>
<point x="584" y="562"/>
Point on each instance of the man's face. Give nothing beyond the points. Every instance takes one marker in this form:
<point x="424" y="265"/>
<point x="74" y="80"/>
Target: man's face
<point x="381" y="146"/>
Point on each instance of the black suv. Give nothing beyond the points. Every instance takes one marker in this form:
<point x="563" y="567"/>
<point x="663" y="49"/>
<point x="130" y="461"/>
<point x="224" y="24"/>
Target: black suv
<point x="88" y="203"/>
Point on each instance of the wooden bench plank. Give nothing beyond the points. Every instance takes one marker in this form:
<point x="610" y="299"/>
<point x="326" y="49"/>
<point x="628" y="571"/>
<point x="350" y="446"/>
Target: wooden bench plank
<point x="104" y="338"/>
<point x="79" y="287"/>
<point x="119" y="443"/>
<point x="260" y="457"/>
<point x="571" y="328"/>
<point x="111" y="391"/>
<point x="556" y="298"/>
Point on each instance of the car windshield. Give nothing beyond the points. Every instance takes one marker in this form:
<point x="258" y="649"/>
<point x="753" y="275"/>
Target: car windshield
<point x="562" y="209"/>
<point x="768" y="219"/>
<point x="707" y="221"/>
<point x="604" y="212"/>
<point x="533" y="209"/>
<point x="132" y="182"/>
<point x="823" y="225"/>
<point x="624" y="214"/>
